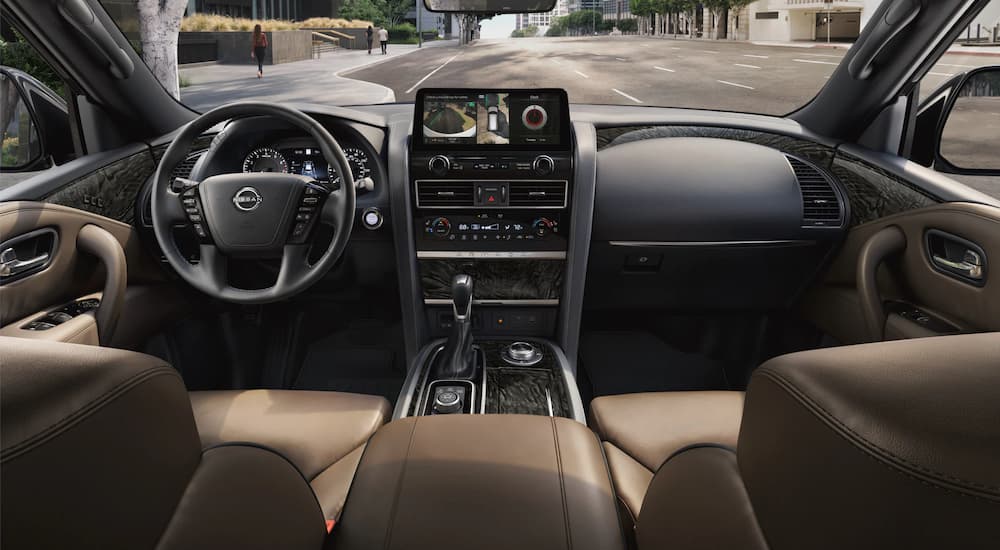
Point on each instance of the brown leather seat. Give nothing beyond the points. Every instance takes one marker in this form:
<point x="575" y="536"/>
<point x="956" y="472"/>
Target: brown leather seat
<point x="100" y="449"/>
<point x="640" y="431"/>
<point x="888" y="445"/>
<point x="322" y="433"/>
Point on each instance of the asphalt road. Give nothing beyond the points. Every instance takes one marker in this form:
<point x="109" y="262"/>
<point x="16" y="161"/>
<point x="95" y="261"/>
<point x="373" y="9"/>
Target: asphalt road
<point x="733" y="76"/>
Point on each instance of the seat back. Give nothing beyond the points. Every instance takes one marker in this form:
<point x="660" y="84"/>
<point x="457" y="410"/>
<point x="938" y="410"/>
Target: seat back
<point x="98" y="448"/>
<point x="887" y="445"/>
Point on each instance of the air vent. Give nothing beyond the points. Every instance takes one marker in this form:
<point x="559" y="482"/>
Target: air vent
<point x="183" y="170"/>
<point x="820" y="205"/>
<point x="455" y="194"/>
<point x="537" y="194"/>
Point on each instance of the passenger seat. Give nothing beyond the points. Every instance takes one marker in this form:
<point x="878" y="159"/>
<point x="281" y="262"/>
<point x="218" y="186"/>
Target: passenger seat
<point x="640" y="431"/>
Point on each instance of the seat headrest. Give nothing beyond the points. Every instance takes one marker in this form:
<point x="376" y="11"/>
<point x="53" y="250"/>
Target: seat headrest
<point x="898" y="437"/>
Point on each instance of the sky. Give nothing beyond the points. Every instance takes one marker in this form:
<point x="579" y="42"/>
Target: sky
<point x="498" y="27"/>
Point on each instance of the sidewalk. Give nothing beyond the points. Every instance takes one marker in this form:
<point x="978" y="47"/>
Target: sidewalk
<point x="309" y="81"/>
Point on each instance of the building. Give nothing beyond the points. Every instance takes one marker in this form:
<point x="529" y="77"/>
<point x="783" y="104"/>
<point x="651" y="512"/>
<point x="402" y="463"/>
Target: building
<point x="267" y="9"/>
<point x="812" y="20"/>
<point x="542" y="20"/>
<point x="616" y="9"/>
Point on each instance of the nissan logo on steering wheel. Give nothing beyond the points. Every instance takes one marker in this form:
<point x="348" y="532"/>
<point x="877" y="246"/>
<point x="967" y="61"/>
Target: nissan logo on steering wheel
<point x="247" y="199"/>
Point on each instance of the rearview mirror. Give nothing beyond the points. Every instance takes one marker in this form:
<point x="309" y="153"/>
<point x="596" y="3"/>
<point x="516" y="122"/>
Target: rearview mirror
<point x="490" y="6"/>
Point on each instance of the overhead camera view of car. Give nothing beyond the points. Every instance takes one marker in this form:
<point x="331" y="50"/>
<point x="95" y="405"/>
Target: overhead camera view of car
<point x="500" y="274"/>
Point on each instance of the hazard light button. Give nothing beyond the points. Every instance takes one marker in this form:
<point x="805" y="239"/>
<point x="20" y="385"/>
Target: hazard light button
<point x="491" y="193"/>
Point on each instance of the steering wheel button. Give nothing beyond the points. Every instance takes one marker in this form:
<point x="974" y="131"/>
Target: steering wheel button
<point x="199" y="230"/>
<point x="310" y="200"/>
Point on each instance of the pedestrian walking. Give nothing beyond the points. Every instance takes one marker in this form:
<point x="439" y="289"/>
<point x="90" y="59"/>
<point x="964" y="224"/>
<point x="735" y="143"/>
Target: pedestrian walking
<point x="259" y="49"/>
<point x="383" y="38"/>
<point x="369" y="34"/>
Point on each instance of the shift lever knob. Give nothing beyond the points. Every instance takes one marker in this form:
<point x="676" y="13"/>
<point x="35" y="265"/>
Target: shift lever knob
<point x="461" y="296"/>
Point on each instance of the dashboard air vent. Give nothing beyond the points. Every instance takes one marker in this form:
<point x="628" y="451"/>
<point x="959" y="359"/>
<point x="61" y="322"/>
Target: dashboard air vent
<point x="537" y="194"/>
<point x="444" y="193"/>
<point x="820" y="205"/>
<point x="183" y="170"/>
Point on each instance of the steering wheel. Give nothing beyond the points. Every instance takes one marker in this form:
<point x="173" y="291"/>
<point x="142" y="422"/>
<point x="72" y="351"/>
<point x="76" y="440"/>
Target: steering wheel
<point x="258" y="215"/>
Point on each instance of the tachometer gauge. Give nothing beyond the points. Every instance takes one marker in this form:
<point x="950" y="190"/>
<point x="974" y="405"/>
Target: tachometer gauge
<point x="360" y="165"/>
<point x="265" y="159"/>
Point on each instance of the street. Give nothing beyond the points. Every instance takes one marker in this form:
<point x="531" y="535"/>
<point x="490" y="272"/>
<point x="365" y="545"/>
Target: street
<point x="733" y="76"/>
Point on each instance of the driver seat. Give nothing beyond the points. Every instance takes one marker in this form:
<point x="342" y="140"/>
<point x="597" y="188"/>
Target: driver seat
<point x="104" y="448"/>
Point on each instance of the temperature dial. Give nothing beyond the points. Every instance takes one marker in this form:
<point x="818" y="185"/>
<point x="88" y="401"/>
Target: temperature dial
<point x="439" y="227"/>
<point x="542" y="226"/>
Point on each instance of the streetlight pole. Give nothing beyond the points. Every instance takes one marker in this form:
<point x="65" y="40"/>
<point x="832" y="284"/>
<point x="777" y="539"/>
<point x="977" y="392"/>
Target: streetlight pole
<point x="829" y="20"/>
<point x="420" y="34"/>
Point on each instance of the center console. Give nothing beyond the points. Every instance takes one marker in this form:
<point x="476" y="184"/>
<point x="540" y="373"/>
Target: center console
<point x="491" y="180"/>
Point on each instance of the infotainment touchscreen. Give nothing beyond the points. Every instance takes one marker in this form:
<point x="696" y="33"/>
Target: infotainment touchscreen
<point x="491" y="119"/>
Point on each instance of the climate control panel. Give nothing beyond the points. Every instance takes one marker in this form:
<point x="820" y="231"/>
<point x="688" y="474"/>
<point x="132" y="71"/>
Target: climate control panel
<point x="479" y="230"/>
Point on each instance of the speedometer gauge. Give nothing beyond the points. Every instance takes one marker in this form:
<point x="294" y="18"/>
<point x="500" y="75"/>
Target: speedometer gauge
<point x="265" y="159"/>
<point x="360" y="165"/>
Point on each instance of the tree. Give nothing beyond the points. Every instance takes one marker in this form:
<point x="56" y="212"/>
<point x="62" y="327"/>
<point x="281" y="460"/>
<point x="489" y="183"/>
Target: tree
<point x="394" y="10"/>
<point x="364" y="10"/>
<point x="159" y="25"/>
<point x="642" y="9"/>
<point x="528" y="31"/>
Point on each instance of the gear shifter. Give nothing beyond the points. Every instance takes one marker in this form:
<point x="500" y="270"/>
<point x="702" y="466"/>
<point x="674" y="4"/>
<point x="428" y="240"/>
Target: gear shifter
<point x="458" y="360"/>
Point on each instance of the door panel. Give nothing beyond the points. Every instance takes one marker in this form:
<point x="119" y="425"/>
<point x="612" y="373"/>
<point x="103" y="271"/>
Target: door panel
<point x="51" y="294"/>
<point x="920" y="295"/>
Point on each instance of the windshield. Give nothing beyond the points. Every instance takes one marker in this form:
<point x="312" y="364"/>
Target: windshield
<point x="769" y="56"/>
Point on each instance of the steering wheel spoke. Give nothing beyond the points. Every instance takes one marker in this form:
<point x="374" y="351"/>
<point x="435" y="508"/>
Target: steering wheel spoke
<point x="333" y="208"/>
<point x="294" y="262"/>
<point x="213" y="267"/>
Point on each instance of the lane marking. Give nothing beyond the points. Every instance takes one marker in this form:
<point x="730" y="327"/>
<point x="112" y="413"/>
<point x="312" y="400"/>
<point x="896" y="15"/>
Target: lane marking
<point x="623" y="94"/>
<point x="556" y="61"/>
<point x="955" y="65"/>
<point x="708" y="51"/>
<point x="581" y="74"/>
<point x="942" y="74"/>
<point x="757" y="56"/>
<point x="747" y="66"/>
<point x="659" y="68"/>
<point x="674" y="48"/>
<point x="820" y="55"/>
<point x="621" y="59"/>
<point x="421" y="81"/>
<point x="816" y="62"/>
<point x="734" y="84"/>
<point x="644" y="45"/>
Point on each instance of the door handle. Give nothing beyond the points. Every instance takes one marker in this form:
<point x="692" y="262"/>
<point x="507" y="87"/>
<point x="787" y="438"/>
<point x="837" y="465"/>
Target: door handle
<point x="11" y="265"/>
<point x="971" y="265"/>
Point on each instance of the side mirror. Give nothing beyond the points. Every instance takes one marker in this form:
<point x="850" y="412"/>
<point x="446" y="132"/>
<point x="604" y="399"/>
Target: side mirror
<point x="958" y="126"/>
<point x="34" y="123"/>
<point x="21" y="142"/>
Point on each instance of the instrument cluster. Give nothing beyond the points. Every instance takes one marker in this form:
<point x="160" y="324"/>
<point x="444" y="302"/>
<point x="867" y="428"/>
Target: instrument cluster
<point x="306" y="158"/>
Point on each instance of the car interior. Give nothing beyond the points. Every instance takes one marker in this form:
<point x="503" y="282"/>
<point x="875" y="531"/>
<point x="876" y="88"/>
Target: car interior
<point x="580" y="326"/>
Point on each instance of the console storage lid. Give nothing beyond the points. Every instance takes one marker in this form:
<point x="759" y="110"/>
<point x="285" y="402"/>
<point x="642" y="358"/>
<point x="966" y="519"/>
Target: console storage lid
<point x="481" y="481"/>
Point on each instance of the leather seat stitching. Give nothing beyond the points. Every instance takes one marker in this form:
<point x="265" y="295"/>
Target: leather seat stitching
<point x="562" y="484"/>
<point x="85" y="412"/>
<point x="861" y="441"/>
<point x="399" y="488"/>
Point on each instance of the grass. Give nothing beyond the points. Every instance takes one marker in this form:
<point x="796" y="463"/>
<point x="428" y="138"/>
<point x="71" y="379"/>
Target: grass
<point x="208" y="23"/>
<point x="183" y="81"/>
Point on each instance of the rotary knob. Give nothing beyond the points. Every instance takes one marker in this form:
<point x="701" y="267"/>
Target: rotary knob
<point x="543" y="165"/>
<point x="542" y="226"/>
<point x="440" y="227"/>
<point x="447" y="401"/>
<point x="439" y="165"/>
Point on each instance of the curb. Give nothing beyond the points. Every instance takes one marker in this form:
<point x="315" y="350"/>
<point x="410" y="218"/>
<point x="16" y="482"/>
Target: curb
<point x="374" y="62"/>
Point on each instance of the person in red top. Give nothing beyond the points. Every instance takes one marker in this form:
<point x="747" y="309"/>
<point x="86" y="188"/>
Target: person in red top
<point x="259" y="49"/>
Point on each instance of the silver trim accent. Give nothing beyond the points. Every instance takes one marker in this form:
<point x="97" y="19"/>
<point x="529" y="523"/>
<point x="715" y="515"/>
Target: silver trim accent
<point x="416" y="194"/>
<point x="712" y="243"/>
<point x="255" y="194"/>
<point x="489" y="302"/>
<point x="548" y="400"/>
<point x="521" y="357"/>
<point x="497" y="255"/>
